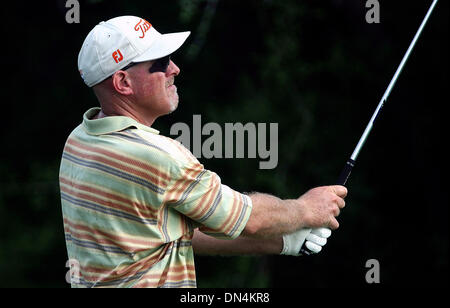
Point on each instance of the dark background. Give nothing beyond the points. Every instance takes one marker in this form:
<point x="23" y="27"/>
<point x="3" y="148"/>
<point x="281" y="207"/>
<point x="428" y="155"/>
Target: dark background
<point x="316" y="68"/>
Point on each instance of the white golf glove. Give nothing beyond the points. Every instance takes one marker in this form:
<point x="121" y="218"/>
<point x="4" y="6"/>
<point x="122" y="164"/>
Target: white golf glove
<point x="314" y="240"/>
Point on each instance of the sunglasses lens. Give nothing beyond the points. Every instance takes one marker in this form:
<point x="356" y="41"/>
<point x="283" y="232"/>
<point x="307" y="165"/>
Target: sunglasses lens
<point x="160" y="65"/>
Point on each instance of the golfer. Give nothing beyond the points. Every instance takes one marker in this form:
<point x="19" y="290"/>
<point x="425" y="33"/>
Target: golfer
<point x="137" y="205"/>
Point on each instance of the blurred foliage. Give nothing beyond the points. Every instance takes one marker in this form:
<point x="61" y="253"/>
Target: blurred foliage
<point x="314" y="67"/>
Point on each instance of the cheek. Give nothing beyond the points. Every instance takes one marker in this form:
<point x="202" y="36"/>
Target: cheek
<point x="152" y="87"/>
<point x="147" y="89"/>
<point x="141" y="85"/>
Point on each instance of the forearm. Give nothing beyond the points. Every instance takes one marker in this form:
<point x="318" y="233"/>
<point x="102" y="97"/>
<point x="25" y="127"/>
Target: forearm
<point x="272" y="217"/>
<point x="207" y="245"/>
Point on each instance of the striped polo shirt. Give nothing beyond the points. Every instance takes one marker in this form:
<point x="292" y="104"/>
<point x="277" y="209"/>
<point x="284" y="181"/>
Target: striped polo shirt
<point x="131" y="200"/>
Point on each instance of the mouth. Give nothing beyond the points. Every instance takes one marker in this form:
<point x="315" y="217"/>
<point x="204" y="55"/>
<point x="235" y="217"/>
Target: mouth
<point x="170" y="83"/>
<point x="171" y="87"/>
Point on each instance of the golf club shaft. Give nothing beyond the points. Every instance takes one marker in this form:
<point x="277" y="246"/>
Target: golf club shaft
<point x="342" y="180"/>
<point x="343" y="177"/>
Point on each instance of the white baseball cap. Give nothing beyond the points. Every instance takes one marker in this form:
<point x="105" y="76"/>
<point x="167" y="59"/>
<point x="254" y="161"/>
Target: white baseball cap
<point x="112" y="45"/>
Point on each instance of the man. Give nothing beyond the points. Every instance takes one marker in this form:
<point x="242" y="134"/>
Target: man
<point x="136" y="204"/>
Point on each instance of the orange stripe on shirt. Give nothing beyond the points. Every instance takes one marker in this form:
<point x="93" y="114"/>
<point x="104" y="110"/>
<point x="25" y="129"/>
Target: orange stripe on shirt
<point x="205" y="203"/>
<point x="231" y="221"/>
<point x="108" y="203"/>
<point x="103" y="160"/>
<point x="116" y="239"/>
<point x="180" y="186"/>
<point x="108" y="195"/>
<point x="128" y="160"/>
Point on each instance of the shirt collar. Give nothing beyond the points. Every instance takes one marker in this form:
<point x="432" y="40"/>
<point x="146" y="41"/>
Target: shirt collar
<point x="110" y="124"/>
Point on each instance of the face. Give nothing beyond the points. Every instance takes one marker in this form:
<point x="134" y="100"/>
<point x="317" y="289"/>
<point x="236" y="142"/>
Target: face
<point x="154" y="92"/>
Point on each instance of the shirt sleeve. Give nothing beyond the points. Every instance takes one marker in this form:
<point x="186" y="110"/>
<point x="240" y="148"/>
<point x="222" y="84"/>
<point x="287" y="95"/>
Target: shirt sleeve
<point x="199" y="194"/>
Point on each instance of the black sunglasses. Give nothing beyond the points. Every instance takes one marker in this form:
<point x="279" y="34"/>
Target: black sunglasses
<point x="160" y="65"/>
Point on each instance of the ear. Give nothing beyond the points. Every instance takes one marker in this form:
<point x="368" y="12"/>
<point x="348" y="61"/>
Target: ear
<point x="122" y="83"/>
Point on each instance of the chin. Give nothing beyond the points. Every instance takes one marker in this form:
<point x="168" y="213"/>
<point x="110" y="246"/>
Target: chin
<point x="173" y="105"/>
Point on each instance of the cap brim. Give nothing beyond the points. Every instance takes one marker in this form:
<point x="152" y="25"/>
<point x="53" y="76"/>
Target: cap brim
<point x="164" y="46"/>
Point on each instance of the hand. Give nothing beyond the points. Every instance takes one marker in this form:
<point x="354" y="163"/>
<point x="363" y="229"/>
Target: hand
<point x="320" y="206"/>
<point x="315" y="240"/>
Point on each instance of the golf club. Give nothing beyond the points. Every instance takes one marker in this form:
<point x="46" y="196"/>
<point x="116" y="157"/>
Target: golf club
<point x="343" y="177"/>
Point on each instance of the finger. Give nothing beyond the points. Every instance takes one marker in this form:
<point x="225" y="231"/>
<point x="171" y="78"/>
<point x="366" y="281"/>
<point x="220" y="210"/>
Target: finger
<point x="333" y="224"/>
<point x="340" y="202"/>
<point x="340" y="190"/>
<point x="316" y="239"/>
<point x="322" y="232"/>
<point x="313" y="247"/>
<point x="336" y="211"/>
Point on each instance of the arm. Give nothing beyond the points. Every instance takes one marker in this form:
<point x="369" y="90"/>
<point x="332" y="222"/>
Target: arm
<point x="272" y="217"/>
<point x="207" y="245"/>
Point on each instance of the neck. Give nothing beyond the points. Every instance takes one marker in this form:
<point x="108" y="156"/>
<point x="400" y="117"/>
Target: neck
<point x="113" y="104"/>
<point x="100" y="115"/>
<point x="124" y="110"/>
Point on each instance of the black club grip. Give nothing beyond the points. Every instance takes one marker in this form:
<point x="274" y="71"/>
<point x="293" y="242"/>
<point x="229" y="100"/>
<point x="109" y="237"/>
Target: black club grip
<point x="343" y="177"/>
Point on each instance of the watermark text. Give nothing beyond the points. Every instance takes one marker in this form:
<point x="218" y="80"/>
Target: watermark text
<point x="230" y="141"/>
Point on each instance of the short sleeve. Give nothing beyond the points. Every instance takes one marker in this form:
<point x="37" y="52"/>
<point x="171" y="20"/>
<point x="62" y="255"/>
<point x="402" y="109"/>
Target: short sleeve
<point x="199" y="194"/>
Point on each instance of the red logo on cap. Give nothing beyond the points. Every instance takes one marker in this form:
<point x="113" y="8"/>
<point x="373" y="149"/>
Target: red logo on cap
<point x="117" y="56"/>
<point x="142" y="26"/>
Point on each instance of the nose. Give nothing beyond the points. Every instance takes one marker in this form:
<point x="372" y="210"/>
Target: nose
<point x="172" y="69"/>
